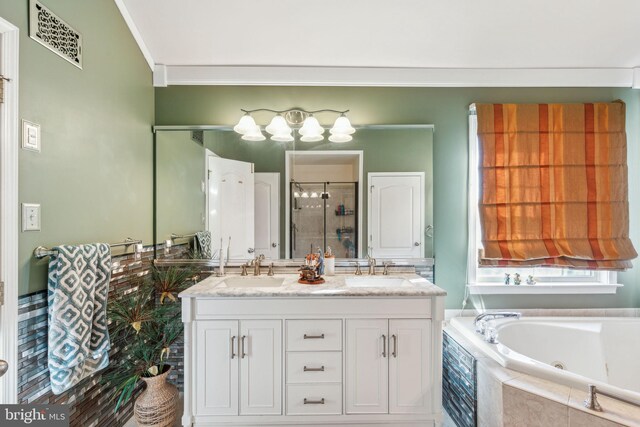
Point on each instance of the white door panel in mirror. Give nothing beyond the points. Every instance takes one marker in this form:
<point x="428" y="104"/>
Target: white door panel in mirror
<point x="231" y="206"/>
<point x="267" y="213"/>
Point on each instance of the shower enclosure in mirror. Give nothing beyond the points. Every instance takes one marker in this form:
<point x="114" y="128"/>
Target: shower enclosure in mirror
<point x="240" y="196"/>
<point x="323" y="215"/>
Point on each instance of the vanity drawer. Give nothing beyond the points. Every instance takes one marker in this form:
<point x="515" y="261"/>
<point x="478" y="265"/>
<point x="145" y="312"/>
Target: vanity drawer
<point x="314" y="335"/>
<point x="320" y="399"/>
<point x="314" y="367"/>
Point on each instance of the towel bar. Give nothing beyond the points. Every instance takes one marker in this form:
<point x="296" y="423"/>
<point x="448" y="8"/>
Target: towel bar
<point x="41" y="251"/>
<point x="175" y="236"/>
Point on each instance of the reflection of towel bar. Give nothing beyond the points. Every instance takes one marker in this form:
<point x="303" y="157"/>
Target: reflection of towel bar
<point x="175" y="236"/>
<point x="41" y="251"/>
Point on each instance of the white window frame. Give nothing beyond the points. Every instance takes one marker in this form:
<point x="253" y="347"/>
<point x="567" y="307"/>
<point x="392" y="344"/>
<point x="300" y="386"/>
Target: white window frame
<point x="603" y="282"/>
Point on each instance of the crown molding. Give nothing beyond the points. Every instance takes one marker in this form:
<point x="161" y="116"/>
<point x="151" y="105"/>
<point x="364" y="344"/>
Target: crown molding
<point x="169" y="75"/>
<point x="135" y="33"/>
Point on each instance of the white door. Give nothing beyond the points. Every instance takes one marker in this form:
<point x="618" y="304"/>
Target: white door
<point x="396" y="214"/>
<point x="216" y="352"/>
<point x="230" y="209"/>
<point x="267" y="214"/>
<point x="410" y="366"/>
<point x="260" y="367"/>
<point x="367" y="366"/>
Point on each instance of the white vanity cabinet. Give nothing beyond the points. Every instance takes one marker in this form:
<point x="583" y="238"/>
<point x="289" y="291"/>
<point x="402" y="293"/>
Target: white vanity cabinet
<point x="239" y="364"/>
<point x="312" y="359"/>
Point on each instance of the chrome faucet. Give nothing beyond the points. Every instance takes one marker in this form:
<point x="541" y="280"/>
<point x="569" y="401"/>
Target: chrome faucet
<point x="256" y="264"/>
<point x="372" y="263"/>
<point x="481" y="320"/>
<point x="386" y="265"/>
<point x="358" y="271"/>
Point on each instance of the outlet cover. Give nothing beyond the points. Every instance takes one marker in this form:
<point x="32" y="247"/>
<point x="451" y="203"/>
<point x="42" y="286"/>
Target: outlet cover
<point x="30" y="136"/>
<point x="30" y="217"/>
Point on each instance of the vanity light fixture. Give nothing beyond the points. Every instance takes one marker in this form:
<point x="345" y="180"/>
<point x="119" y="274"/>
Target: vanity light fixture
<point x="281" y="126"/>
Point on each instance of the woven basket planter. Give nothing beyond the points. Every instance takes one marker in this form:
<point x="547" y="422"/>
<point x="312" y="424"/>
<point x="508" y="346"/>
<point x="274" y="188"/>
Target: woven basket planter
<point x="157" y="405"/>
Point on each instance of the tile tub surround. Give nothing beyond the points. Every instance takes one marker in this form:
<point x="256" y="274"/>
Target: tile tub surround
<point x="89" y="401"/>
<point x="511" y="398"/>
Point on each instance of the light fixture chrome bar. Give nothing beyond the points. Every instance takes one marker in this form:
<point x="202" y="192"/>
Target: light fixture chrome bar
<point x="42" y="252"/>
<point x="302" y="110"/>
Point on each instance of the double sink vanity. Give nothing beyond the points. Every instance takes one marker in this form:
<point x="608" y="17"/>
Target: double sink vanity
<point x="265" y="350"/>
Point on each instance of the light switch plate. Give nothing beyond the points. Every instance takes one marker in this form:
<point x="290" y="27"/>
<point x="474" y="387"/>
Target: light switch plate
<point x="30" y="136"/>
<point x="30" y="217"/>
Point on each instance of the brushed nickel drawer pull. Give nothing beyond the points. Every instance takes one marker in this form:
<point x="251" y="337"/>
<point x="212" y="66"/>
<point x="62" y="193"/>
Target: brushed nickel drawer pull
<point x="233" y="342"/>
<point x="242" y="353"/>
<point x="395" y="345"/>
<point x="320" y="369"/>
<point x="314" y="337"/>
<point x="384" y="345"/>
<point x="313" y="402"/>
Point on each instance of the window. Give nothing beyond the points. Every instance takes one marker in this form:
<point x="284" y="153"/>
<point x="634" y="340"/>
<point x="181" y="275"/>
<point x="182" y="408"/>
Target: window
<point x="492" y="280"/>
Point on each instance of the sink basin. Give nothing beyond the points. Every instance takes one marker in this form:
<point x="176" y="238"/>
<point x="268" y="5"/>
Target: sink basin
<point x="375" y="282"/>
<point x="252" y="282"/>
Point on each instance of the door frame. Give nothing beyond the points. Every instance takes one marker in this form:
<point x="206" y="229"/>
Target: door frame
<point x="9" y="139"/>
<point x="287" y="189"/>
<point x="422" y="204"/>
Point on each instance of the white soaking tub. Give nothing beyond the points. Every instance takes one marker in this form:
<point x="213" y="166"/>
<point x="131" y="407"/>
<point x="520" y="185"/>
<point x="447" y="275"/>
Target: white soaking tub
<point x="574" y="351"/>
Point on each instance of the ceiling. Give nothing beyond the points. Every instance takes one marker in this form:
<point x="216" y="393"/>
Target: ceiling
<point x="410" y="35"/>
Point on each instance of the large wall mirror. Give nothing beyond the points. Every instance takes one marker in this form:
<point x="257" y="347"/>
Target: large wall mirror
<point x="370" y="196"/>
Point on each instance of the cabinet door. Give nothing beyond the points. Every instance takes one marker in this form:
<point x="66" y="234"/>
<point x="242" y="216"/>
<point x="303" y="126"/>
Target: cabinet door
<point x="367" y="366"/>
<point x="216" y="370"/>
<point x="260" y="367"/>
<point x="410" y="367"/>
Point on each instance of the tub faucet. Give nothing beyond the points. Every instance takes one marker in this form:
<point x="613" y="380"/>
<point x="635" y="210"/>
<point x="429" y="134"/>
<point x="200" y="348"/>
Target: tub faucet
<point x="481" y="320"/>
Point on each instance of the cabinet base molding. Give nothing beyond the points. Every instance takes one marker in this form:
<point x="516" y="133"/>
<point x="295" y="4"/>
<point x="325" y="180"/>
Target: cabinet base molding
<point x="311" y="421"/>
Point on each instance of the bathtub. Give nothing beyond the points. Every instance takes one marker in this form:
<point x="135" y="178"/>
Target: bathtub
<point x="574" y="351"/>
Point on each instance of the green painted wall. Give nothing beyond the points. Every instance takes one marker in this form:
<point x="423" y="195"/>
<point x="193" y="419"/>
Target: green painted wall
<point x="446" y="108"/>
<point x="383" y="151"/>
<point x="180" y="174"/>
<point x="93" y="177"/>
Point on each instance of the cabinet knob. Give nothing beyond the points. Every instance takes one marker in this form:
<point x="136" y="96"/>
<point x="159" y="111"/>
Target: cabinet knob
<point x="416" y="243"/>
<point x="274" y="245"/>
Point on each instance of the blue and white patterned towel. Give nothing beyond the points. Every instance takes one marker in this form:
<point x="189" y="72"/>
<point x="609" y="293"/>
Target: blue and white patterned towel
<point x="78" y="333"/>
<point x="203" y="239"/>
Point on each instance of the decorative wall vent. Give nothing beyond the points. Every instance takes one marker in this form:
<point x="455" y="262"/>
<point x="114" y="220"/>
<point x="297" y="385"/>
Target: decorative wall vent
<point x="49" y="30"/>
<point x="198" y="136"/>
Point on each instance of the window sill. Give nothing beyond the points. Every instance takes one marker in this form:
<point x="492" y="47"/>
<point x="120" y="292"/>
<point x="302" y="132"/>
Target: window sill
<point x="543" y="289"/>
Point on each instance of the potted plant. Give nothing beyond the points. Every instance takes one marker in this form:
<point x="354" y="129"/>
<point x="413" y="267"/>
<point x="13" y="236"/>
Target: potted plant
<point x="145" y="323"/>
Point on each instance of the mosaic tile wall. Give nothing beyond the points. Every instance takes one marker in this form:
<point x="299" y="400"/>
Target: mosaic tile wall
<point x="90" y="403"/>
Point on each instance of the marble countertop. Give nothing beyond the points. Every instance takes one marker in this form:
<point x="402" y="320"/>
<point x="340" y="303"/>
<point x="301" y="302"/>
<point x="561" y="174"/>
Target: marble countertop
<point x="406" y="285"/>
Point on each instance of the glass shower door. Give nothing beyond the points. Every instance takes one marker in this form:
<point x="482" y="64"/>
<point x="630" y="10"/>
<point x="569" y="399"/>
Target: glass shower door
<point x="307" y="218"/>
<point x="341" y="219"/>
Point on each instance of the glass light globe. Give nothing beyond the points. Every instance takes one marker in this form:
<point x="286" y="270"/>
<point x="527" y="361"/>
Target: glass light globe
<point x="254" y="134"/>
<point x="340" y="137"/>
<point x="342" y="125"/>
<point x="245" y="124"/>
<point x="282" y="137"/>
<point x="311" y="138"/>
<point x="278" y="125"/>
<point x="311" y="126"/>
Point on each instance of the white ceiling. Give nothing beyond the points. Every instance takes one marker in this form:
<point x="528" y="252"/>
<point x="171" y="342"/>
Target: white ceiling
<point x="395" y="34"/>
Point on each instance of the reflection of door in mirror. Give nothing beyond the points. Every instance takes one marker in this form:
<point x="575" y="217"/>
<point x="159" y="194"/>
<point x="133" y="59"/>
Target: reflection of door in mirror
<point x="396" y="214"/>
<point x="267" y="214"/>
<point x="230" y="207"/>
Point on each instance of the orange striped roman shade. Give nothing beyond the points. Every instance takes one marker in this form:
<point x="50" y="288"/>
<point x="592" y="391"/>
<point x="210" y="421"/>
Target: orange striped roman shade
<point x="553" y="185"/>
